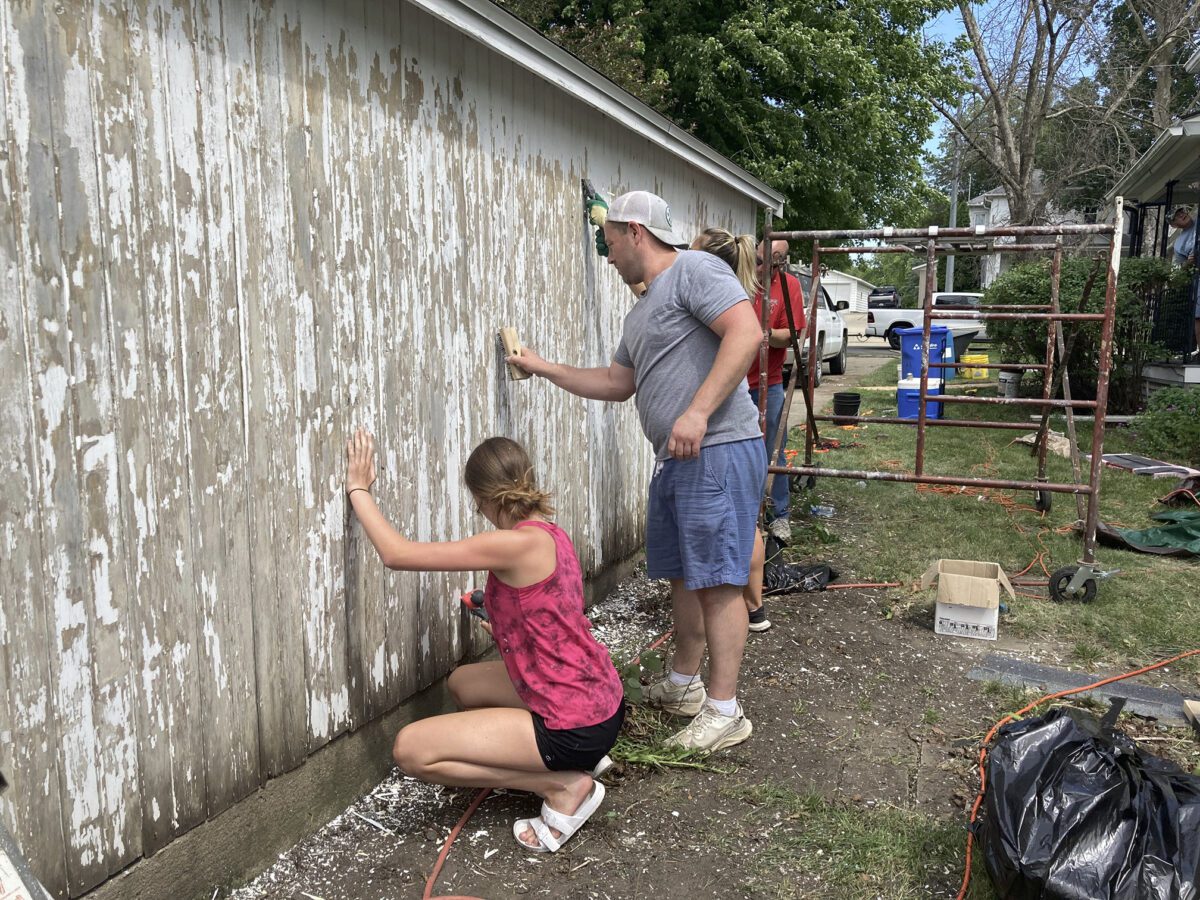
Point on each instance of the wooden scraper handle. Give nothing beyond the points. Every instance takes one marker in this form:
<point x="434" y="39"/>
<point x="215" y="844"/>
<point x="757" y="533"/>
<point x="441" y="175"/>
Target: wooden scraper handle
<point x="512" y="347"/>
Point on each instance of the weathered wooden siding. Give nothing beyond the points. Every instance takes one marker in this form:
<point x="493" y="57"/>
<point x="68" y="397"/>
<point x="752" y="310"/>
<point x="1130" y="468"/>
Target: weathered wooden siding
<point x="229" y="233"/>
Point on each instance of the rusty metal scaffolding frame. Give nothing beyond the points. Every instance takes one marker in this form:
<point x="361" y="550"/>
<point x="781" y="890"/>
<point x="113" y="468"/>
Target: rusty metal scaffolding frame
<point x="935" y="242"/>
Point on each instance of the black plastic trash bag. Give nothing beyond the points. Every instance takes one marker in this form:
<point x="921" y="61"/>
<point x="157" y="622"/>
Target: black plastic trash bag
<point x="780" y="577"/>
<point x="787" y="578"/>
<point x="1075" y="810"/>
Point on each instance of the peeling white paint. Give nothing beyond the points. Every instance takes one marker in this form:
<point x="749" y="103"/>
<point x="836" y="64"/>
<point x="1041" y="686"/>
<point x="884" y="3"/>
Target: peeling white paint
<point x="289" y="286"/>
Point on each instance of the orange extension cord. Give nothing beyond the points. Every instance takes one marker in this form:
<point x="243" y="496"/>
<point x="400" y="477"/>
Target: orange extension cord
<point x="483" y="795"/>
<point x="983" y="749"/>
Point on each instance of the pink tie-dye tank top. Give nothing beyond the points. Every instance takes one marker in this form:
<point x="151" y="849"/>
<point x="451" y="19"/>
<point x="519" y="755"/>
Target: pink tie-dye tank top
<point x="558" y="669"/>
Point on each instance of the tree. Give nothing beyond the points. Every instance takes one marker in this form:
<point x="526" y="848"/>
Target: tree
<point x="827" y="102"/>
<point x="897" y="268"/>
<point x="1058" y="100"/>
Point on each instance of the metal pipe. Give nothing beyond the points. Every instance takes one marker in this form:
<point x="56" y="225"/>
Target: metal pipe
<point x="1106" y="353"/>
<point x="944" y="233"/>
<point x="1024" y="317"/>
<point x="1041" y="445"/>
<point x="1019" y="401"/>
<point x="994" y="306"/>
<point x="905" y="478"/>
<point x="810" y="423"/>
<point x="1064" y="378"/>
<point x="926" y="325"/>
<point x="943" y="249"/>
<point x="1007" y="367"/>
<point x="932" y="423"/>
<point x="810" y="436"/>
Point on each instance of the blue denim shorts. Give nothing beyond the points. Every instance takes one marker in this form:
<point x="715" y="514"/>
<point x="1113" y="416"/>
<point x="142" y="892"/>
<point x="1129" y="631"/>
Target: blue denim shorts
<point x="702" y="514"/>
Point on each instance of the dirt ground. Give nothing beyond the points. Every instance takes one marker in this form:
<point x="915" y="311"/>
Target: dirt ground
<point x="863" y="718"/>
<point x="847" y="704"/>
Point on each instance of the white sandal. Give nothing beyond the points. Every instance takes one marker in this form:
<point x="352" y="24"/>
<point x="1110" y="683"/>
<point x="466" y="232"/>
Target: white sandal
<point x="566" y="825"/>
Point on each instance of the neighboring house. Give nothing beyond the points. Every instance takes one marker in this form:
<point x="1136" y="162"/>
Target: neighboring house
<point x="231" y="232"/>
<point x="844" y="286"/>
<point x="1166" y="176"/>
<point x="990" y="209"/>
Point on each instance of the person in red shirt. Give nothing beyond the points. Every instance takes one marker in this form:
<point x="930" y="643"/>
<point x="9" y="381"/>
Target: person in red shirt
<point x="780" y="339"/>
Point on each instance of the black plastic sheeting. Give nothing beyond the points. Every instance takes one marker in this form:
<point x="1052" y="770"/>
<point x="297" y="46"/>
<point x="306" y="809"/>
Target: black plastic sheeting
<point x="1076" y="811"/>
<point x="780" y="577"/>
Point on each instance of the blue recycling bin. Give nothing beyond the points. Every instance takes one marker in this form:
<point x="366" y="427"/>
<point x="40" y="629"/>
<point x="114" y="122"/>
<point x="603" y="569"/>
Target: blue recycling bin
<point x="941" y="349"/>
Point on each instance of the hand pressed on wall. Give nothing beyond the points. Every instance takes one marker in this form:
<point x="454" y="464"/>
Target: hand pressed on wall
<point x="360" y="461"/>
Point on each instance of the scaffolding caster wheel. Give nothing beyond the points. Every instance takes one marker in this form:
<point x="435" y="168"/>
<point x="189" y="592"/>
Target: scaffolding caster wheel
<point x="1042" y="501"/>
<point x="1061" y="590"/>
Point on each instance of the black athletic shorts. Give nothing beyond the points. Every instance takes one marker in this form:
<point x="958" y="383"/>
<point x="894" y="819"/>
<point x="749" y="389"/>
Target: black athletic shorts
<point x="576" y="749"/>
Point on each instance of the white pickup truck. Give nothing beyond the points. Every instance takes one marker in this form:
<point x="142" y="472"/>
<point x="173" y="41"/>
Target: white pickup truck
<point x="884" y="322"/>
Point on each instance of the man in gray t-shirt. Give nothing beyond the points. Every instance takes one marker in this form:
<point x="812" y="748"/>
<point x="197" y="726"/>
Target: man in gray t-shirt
<point x="684" y="352"/>
<point x="668" y="342"/>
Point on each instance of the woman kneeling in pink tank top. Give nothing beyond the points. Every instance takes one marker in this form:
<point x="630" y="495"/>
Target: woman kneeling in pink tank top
<point x="543" y="717"/>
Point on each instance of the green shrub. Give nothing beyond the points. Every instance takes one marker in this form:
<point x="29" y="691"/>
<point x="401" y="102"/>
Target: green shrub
<point x="1170" y="426"/>
<point x="1021" y="340"/>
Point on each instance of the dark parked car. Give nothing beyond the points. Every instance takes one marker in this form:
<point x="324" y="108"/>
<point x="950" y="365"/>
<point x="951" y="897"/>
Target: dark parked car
<point x="884" y="297"/>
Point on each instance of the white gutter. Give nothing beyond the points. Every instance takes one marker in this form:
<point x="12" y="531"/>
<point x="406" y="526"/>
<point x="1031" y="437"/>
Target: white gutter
<point x="507" y="35"/>
<point x="1152" y="159"/>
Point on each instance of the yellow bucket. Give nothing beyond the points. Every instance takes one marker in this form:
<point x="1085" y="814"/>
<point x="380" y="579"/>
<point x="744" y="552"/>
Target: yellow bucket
<point x="975" y="359"/>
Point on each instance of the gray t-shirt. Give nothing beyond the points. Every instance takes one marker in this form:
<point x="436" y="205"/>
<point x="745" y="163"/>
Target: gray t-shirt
<point x="668" y="344"/>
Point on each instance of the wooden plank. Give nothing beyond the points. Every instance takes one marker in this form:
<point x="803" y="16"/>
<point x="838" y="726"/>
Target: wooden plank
<point x="212" y="366"/>
<point x="372" y="658"/>
<point x="459" y="324"/>
<point x="100" y="114"/>
<point x="172" y="736"/>
<point x="80" y="487"/>
<point x="391" y="670"/>
<point x="32" y="808"/>
<point x="269" y="362"/>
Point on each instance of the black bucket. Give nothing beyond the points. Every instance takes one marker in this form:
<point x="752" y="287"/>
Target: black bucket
<point x="846" y="403"/>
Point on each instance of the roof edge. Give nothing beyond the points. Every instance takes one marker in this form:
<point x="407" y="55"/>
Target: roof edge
<point x="501" y="31"/>
<point x="1159" y="147"/>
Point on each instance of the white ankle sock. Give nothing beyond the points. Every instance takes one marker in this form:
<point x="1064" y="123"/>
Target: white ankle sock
<point x="679" y="679"/>
<point x="724" y="707"/>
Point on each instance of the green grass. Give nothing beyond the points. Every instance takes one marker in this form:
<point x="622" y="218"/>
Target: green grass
<point x="1147" y="612"/>
<point x="857" y="853"/>
<point x="884" y="376"/>
<point x="642" y="743"/>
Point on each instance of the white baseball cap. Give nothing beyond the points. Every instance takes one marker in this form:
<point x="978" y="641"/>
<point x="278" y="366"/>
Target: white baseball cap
<point x="649" y="210"/>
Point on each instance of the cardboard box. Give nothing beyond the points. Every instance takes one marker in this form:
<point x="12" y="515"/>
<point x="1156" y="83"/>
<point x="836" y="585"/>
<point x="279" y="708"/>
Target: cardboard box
<point x="968" y="597"/>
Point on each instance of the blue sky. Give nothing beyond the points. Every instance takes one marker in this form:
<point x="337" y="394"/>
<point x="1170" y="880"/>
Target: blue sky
<point x="946" y="27"/>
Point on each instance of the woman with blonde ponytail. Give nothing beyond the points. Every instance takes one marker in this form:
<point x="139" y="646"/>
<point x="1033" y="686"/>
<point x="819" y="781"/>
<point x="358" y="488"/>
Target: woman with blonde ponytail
<point x="737" y="251"/>
<point x="741" y="255"/>
<point x="543" y="717"/>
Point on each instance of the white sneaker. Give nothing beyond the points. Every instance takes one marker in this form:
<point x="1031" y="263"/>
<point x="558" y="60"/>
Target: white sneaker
<point x="758" y="619"/>
<point x="781" y="530"/>
<point x="677" y="699"/>
<point x="763" y="624"/>
<point x="712" y="731"/>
